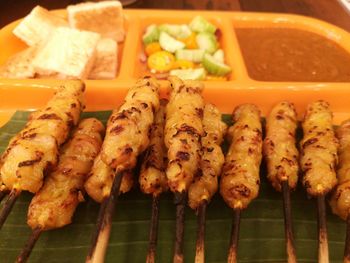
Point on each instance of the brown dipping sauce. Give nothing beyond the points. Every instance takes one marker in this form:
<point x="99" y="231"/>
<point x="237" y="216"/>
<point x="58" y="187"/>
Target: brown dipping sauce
<point x="284" y="54"/>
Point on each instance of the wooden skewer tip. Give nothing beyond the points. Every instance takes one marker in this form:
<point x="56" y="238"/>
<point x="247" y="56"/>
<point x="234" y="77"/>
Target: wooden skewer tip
<point x="153" y="235"/>
<point x="232" y="254"/>
<point x="323" y="254"/>
<point x="200" y="243"/>
<point x="27" y="250"/>
<point x="101" y="235"/>
<point x="290" y="245"/>
<point x="347" y="241"/>
<point x="180" y="202"/>
<point x="6" y="209"/>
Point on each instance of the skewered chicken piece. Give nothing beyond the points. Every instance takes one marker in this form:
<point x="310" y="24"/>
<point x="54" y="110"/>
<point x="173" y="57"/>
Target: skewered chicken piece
<point x="206" y="184"/>
<point x="152" y="176"/>
<point x="126" y="137"/>
<point x="281" y="156"/>
<point x="318" y="161"/>
<point x="240" y="180"/>
<point x="340" y="200"/>
<point x="100" y="180"/>
<point x="280" y="146"/>
<point x="54" y="204"/>
<point x="319" y="149"/>
<point x="183" y="132"/>
<point x="127" y="132"/>
<point x="35" y="148"/>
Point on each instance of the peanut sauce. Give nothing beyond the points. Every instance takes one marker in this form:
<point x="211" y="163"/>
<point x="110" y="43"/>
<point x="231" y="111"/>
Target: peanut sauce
<point x="284" y="54"/>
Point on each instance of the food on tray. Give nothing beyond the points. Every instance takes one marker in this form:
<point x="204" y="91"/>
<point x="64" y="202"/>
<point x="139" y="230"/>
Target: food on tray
<point x="152" y="175"/>
<point x="340" y="201"/>
<point x="286" y="54"/>
<point x="318" y="149"/>
<point x="205" y="184"/>
<point x="36" y="27"/>
<point x="84" y="48"/>
<point x="53" y="206"/>
<point x="183" y="132"/>
<point x="68" y="53"/>
<point x="186" y="51"/>
<point x="280" y="149"/>
<point x="106" y="61"/>
<point x="104" y="17"/>
<point x="240" y="178"/>
<point x="19" y="65"/>
<point x="34" y="150"/>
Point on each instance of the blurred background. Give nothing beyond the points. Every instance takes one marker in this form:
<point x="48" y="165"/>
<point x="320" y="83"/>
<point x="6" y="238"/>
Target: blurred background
<point x="332" y="11"/>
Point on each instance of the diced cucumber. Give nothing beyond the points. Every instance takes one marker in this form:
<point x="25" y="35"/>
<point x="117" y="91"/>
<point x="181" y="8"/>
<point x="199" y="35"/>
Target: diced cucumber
<point x="199" y="24"/>
<point x="207" y="42"/>
<point x="177" y="31"/>
<point x="219" y="55"/>
<point x="151" y="34"/>
<point x="193" y="74"/>
<point x="169" y="43"/>
<point x="194" y="55"/>
<point x="215" y="67"/>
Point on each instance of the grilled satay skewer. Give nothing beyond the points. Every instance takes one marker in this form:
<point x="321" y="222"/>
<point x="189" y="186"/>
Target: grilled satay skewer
<point x="240" y="179"/>
<point x="206" y="184"/>
<point x="126" y="137"/>
<point x="318" y="162"/>
<point x="340" y="200"/>
<point x="183" y="132"/>
<point x="281" y="156"/>
<point x="34" y="150"/>
<point x="152" y="176"/>
<point x="55" y="203"/>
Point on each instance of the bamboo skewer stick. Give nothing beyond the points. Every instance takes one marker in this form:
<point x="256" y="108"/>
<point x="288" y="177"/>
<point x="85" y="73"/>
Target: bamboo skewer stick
<point x="27" y="250"/>
<point x="347" y="241"/>
<point x="232" y="253"/>
<point x="2" y="195"/>
<point x="100" y="238"/>
<point x="290" y="246"/>
<point x="180" y="202"/>
<point x="6" y="209"/>
<point x="153" y="235"/>
<point x="200" y="243"/>
<point x="323" y="256"/>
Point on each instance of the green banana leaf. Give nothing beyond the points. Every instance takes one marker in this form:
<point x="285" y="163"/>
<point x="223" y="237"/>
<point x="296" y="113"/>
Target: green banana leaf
<point x="261" y="236"/>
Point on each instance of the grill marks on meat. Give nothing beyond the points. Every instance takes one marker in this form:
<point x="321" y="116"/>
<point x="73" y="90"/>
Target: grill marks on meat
<point x="54" y="205"/>
<point x="318" y="149"/>
<point x="128" y="128"/>
<point x="44" y="132"/>
<point x="340" y="200"/>
<point x="240" y="180"/>
<point x="206" y="184"/>
<point x="279" y="146"/>
<point x="183" y="132"/>
<point x="152" y="176"/>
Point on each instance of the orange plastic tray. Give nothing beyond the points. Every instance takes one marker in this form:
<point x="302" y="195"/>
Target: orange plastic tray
<point x="107" y="94"/>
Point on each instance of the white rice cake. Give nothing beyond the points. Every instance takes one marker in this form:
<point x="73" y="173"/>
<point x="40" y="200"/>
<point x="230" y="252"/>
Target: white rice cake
<point x="38" y="25"/>
<point x="105" y="18"/>
<point x="68" y="54"/>
<point x="106" y="62"/>
<point x="19" y="66"/>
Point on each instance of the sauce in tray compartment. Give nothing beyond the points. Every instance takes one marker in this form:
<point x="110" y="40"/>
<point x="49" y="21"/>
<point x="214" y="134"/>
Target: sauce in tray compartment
<point x="284" y="54"/>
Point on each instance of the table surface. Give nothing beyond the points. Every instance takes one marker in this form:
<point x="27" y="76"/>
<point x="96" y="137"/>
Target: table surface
<point x="331" y="11"/>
